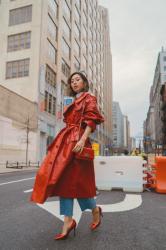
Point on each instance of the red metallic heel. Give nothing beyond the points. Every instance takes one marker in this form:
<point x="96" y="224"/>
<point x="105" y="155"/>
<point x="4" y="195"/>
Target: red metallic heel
<point x="64" y="236"/>
<point x="93" y="226"/>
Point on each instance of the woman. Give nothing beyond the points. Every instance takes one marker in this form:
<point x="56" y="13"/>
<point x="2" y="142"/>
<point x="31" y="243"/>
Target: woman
<point x="61" y="174"/>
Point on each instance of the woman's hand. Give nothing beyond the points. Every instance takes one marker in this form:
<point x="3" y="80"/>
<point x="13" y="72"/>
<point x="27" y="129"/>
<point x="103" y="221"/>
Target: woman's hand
<point x="79" y="146"/>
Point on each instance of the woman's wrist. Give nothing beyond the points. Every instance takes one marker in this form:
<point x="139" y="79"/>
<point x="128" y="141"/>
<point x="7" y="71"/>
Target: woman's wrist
<point x="83" y="138"/>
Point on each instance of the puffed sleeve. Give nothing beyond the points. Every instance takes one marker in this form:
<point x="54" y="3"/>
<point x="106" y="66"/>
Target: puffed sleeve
<point x="91" y="115"/>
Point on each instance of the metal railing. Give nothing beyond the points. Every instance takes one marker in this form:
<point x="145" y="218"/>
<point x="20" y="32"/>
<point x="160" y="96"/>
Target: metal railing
<point x="20" y="165"/>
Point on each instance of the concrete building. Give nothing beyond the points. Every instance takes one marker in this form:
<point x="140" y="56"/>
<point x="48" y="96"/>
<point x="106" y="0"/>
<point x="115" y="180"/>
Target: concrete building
<point x="43" y="41"/>
<point x="153" y="124"/>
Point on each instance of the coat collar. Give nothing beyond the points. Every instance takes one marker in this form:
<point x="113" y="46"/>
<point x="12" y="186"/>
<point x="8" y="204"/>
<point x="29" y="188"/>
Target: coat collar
<point x="76" y="101"/>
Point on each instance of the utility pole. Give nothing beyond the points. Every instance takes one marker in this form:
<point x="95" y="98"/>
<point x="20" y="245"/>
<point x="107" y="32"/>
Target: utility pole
<point x="27" y="140"/>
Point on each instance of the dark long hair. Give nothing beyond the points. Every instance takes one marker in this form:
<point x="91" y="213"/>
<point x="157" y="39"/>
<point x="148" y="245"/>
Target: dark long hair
<point x="85" y="80"/>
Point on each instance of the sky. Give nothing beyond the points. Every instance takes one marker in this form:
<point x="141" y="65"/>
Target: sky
<point x="137" y="33"/>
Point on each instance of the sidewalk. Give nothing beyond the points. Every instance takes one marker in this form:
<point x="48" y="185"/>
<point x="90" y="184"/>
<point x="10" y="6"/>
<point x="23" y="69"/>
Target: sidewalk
<point x="3" y="169"/>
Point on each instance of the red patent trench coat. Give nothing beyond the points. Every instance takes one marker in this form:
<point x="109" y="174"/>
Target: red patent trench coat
<point x="60" y="174"/>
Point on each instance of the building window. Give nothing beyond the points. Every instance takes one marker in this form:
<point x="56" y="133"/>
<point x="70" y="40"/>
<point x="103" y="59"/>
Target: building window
<point x="50" y="76"/>
<point x="53" y="8"/>
<point x="90" y="73"/>
<point x="20" y="15"/>
<point x="90" y="60"/>
<point x="164" y="68"/>
<point x="84" y="60"/>
<point x="84" y="32"/>
<point x="90" y="34"/>
<point x="50" y="103"/>
<point x="50" y="134"/>
<point x="52" y="29"/>
<point x="65" y="69"/>
<point x="76" y="64"/>
<point x="90" y="22"/>
<point x="164" y="58"/>
<point x="52" y="55"/>
<point x="77" y="48"/>
<point x="66" y="29"/>
<point x="84" y="47"/>
<point x="66" y="10"/>
<point x="19" y="41"/>
<point x="79" y="4"/>
<point x="78" y="17"/>
<point x="65" y="49"/>
<point x="18" y="68"/>
<point x="77" y="31"/>
<point x="85" y="19"/>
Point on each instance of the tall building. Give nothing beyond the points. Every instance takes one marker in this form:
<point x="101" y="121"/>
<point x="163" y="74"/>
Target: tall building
<point x="43" y="42"/>
<point x="126" y="133"/>
<point x="153" y="136"/>
<point x="118" y="127"/>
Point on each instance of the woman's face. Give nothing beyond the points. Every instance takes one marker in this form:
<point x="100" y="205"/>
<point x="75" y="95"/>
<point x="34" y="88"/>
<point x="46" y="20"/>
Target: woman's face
<point x="77" y="83"/>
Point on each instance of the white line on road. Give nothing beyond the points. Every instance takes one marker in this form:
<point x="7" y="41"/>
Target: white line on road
<point x="28" y="191"/>
<point x="5" y="183"/>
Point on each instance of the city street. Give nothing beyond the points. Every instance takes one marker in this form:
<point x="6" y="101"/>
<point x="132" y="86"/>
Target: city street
<point x="24" y="225"/>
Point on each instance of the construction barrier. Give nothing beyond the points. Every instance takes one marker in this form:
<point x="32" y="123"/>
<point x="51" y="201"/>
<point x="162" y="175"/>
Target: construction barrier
<point x="120" y="172"/>
<point x="159" y="174"/>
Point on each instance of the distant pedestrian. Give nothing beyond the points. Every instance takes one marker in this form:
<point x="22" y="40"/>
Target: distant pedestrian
<point x="62" y="173"/>
<point x="126" y="152"/>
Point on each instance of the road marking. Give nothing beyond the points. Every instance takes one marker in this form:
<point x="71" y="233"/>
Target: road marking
<point x="131" y="201"/>
<point x="28" y="191"/>
<point x="5" y="183"/>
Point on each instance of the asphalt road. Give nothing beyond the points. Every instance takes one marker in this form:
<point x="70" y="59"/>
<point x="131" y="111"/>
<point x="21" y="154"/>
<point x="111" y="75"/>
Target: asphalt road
<point x="26" y="226"/>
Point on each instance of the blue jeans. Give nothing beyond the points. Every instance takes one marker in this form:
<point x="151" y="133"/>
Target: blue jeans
<point x="66" y="205"/>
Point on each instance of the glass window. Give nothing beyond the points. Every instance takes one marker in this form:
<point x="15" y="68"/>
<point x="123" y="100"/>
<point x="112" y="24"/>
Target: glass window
<point x="84" y="60"/>
<point x="90" y="34"/>
<point x="65" y="68"/>
<point x="90" y="47"/>
<point x="53" y="8"/>
<point x="66" y="10"/>
<point x="164" y="58"/>
<point x="50" y="76"/>
<point x="19" y="41"/>
<point x="90" y="22"/>
<point x="79" y="4"/>
<point x="164" y="68"/>
<point x="78" y="17"/>
<point x="52" y="29"/>
<point x="63" y="88"/>
<point x="65" y="49"/>
<point x="90" y="73"/>
<point x="77" y="31"/>
<point x="77" y="48"/>
<point x="18" y="68"/>
<point x="84" y="31"/>
<point x="20" y="15"/>
<point x="85" y="19"/>
<point x="66" y="29"/>
<point x="76" y="64"/>
<point x="50" y="104"/>
<point x="52" y="55"/>
<point x="84" y="47"/>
